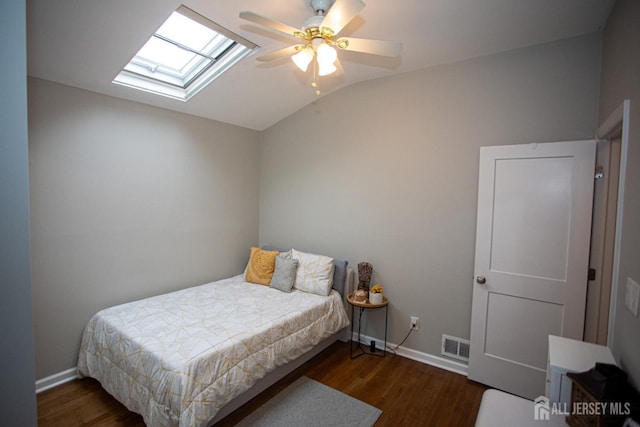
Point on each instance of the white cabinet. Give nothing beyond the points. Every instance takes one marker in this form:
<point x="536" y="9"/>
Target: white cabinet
<point x="568" y="355"/>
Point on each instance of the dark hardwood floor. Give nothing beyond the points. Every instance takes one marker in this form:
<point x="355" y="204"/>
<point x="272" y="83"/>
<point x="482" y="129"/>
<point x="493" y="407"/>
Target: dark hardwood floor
<point x="409" y="393"/>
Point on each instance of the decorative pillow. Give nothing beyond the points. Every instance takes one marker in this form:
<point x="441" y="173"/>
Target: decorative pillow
<point x="339" y="271"/>
<point x="284" y="274"/>
<point x="340" y="275"/>
<point x="284" y="254"/>
<point x="315" y="273"/>
<point x="261" y="265"/>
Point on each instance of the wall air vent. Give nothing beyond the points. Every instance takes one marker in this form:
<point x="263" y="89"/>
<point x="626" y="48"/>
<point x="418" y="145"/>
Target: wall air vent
<point x="455" y="347"/>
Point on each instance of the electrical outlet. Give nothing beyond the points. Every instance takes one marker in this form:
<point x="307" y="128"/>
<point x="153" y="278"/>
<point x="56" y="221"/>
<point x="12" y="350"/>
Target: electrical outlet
<point x="415" y="323"/>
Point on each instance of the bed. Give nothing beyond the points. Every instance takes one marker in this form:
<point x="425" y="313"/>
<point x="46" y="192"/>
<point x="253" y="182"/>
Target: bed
<point x="188" y="357"/>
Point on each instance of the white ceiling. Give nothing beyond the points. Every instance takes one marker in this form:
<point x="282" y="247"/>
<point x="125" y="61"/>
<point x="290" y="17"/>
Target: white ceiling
<point x="85" y="43"/>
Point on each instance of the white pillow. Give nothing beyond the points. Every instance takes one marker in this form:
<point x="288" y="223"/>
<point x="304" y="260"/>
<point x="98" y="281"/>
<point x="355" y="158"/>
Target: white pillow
<point x="315" y="273"/>
<point x="286" y="254"/>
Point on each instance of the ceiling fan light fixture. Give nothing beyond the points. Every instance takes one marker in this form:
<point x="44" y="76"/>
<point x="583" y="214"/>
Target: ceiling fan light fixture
<point x="325" y="70"/>
<point x="303" y="58"/>
<point x="326" y="55"/>
<point x="319" y="37"/>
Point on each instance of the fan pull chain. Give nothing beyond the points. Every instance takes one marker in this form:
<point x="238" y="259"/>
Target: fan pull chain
<point x="316" y="79"/>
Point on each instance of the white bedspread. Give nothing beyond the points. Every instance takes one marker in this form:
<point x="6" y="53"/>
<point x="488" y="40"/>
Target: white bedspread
<point x="180" y="357"/>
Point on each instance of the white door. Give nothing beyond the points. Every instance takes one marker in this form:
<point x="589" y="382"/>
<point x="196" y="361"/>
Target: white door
<point x="532" y="253"/>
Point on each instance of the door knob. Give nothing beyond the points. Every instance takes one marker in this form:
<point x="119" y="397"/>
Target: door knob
<point x="481" y="280"/>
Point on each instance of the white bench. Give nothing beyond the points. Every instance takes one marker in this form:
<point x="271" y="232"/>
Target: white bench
<point x="503" y="409"/>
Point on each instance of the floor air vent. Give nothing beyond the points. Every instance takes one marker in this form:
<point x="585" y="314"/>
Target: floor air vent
<point x="455" y="347"/>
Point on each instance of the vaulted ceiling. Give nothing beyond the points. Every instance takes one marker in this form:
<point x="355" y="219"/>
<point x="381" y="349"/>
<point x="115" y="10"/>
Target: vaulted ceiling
<point x="85" y="43"/>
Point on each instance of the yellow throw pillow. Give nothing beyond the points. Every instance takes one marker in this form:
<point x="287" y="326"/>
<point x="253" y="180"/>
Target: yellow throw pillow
<point x="261" y="266"/>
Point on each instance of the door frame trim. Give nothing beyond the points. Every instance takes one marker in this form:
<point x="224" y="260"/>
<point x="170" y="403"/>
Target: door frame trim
<point x="617" y="124"/>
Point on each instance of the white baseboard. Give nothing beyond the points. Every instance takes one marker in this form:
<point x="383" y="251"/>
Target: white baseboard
<point x="418" y="356"/>
<point x="56" y="379"/>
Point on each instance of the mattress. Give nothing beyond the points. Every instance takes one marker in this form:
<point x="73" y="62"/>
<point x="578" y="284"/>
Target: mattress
<point x="178" y="358"/>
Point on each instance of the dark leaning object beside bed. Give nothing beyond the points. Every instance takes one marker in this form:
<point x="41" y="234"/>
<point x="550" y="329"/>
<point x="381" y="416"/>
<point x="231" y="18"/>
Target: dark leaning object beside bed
<point x="191" y="357"/>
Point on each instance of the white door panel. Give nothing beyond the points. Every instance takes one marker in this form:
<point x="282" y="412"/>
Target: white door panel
<point x="501" y="309"/>
<point x="532" y="246"/>
<point x="532" y="195"/>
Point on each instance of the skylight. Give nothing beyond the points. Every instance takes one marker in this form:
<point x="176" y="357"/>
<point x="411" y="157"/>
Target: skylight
<point x="183" y="56"/>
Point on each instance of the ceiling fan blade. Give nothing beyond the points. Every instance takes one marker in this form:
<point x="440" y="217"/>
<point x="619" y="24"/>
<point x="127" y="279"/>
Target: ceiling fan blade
<point x="374" y="47"/>
<point x="280" y="53"/>
<point x="341" y="13"/>
<point x="268" y="22"/>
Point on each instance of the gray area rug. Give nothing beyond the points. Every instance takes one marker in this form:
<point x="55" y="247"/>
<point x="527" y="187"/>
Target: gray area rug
<point x="309" y="403"/>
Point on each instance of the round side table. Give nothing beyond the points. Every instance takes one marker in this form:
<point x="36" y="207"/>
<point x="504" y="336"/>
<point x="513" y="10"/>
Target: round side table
<point x="365" y="305"/>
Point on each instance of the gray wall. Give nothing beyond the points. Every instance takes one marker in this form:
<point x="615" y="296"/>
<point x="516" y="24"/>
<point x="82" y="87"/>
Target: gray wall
<point x="386" y="171"/>
<point x="17" y="390"/>
<point x="128" y="201"/>
<point x="620" y="81"/>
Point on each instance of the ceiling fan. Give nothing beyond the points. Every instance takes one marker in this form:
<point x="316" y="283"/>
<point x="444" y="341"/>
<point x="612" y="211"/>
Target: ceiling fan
<point x="319" y="37"/>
